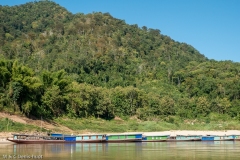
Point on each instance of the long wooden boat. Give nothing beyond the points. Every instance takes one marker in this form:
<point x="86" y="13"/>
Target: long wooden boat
<point x="123" y="137"/>
<point x="33" y="139"/>
<point x="85" y="138"/>
<point x="218" y="138"/>
<point x="183" y="138"/>
<point x="91" y="138"/>
<point x="155" y="138"/>
<point x="57" y="138"/>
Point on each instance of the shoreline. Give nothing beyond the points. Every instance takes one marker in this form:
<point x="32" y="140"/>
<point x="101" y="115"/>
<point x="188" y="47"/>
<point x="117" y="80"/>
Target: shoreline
<point x="5" y="135"/>
<point x="195" y="132"/>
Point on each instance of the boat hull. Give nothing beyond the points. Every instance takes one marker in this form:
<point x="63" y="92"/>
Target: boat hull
<point x="221" y="140"/>
<point x="154" y="140"/>
<point x="22" y="141"/>
<point x="90" y="141"/>
<point x="182" y="140"/>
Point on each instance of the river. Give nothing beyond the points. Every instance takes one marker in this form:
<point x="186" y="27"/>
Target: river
<point x="214" y="150"/>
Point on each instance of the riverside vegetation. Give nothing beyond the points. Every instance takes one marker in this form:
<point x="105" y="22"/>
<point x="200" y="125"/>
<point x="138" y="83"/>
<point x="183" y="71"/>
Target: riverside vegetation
<point x="84" y="70"/>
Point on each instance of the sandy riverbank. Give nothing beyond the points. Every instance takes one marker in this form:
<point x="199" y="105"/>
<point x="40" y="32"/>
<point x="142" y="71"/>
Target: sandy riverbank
<point x="192" y="132"/>
<point x="4" y="135"/>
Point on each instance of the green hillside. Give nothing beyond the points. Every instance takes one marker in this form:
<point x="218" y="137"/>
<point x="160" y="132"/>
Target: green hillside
<point x="54" y="63"/>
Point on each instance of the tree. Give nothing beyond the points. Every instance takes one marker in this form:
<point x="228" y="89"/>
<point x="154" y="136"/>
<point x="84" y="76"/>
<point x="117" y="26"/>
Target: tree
<point x="221" y="105"/>
<point x="53" y="100"/>
<point x="202" y="106"/>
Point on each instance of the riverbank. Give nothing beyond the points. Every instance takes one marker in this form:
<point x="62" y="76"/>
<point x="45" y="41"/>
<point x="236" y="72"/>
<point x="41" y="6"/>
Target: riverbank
<point x="20" y="124"/>
<point x="192" y="132"/>
<point x="4" y="135"/>
<point x="135" y="125"/>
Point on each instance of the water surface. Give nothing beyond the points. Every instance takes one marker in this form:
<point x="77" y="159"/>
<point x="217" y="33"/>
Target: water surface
<point x="124" y="151"/>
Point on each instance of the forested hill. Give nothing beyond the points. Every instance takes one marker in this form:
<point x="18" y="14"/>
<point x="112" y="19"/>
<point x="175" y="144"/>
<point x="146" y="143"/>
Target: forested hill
<point x="56" y="63"/>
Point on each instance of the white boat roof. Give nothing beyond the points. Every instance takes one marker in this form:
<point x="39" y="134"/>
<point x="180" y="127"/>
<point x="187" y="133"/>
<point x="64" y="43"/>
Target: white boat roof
<point x="122" y="134"/>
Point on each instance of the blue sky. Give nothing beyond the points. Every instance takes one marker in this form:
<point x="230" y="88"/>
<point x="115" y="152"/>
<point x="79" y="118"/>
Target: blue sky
<point x="210" y="26"/>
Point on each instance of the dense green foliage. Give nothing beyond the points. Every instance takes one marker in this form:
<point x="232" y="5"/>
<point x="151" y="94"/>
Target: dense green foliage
<point x="55" y="63"/>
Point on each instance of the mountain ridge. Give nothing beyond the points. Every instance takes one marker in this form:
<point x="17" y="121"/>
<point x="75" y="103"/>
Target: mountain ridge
<point x="57" y="63"/>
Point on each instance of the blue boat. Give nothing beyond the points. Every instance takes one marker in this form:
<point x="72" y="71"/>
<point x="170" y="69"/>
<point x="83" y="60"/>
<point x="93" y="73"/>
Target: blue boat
<point x="70" y="138"/>
<point x="82" y="138"/>
<point x="207" y="138"/>
<point x="65" y="137"/>
<point x="218" y="138"/>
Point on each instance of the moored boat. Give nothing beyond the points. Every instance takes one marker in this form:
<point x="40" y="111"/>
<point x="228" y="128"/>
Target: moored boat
<point x="32" y="139"/>
<point x="91" y="138"/>
<point x="218" y="138"/>
<point x="124" y="137"/>
<point x="155" y="138"/>
<point x="182" y="138"/>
